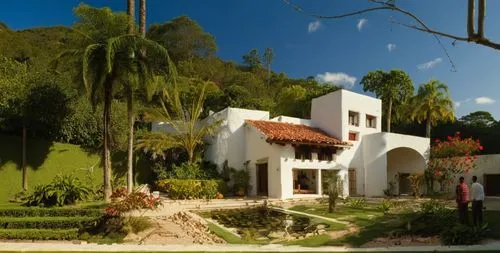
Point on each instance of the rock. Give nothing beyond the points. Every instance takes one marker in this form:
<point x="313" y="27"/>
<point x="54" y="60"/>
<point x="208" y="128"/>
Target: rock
<point x="320" y="226"/>
<point x="321" y="231"/>
<point x="262" y="239"/>
<point x="309" y="235"/>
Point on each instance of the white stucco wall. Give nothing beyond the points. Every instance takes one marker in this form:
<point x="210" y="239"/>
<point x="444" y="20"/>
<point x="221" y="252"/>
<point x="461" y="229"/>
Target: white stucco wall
<point x="376" y="146"/>
<point x="403" y="160"/>
<point x="293" y="120"/>
<point x="229" y="143"/>
<point x="326" y="113"/>
<point x="259" y="151"/>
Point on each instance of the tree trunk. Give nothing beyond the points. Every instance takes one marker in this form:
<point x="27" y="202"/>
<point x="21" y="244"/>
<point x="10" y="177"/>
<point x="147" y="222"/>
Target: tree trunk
<point x="24" y="165"/>
<point x="428" y="128"/>
<point x="130" y="155"/>
<point x="389" y="115"/>
<point x="131" y="14"/>
<point x="142" y="18"/>
<point x="107" y="141"/>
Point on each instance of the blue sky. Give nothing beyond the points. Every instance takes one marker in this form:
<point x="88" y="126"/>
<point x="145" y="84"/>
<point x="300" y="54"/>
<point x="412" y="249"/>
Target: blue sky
<point x="332" y="50"/>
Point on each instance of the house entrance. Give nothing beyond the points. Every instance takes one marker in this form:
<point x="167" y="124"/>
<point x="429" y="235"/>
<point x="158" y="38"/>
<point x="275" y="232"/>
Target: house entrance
<point x="305" y="181"/>
<point x="262" y="180"/>
<point x="492" y="184"/>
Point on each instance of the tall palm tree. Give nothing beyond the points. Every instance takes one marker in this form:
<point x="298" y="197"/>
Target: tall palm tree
<point x="142" y="18"/>
<point x="130" y="105"/>
<point x="187" y="130"/>
<point x="106" y="65"/>
<point x="431" y="105"/>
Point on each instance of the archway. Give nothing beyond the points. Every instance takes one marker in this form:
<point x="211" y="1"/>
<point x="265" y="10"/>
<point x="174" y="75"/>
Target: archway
<point x="401" y="162"/>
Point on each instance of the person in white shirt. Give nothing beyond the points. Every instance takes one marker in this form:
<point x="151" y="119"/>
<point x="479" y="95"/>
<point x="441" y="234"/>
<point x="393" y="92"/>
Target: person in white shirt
<point x="477" y="197"/>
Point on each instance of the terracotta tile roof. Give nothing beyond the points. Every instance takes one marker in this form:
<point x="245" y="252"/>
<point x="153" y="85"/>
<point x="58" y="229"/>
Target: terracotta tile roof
<point x="294" y="133"/>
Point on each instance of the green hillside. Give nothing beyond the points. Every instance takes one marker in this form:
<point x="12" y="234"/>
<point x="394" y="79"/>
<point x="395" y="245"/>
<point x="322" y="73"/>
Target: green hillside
<point x="45" y="159"/>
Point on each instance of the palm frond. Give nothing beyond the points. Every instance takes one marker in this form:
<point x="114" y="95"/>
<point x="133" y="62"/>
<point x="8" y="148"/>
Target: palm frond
<point x="156" y="143"/>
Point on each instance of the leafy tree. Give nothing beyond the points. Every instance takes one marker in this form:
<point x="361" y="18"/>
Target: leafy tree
<point x="252" y="59"/>
<point x="184" y="38"/>
<point x="394" y="88"/>
<point x="431" y="105"/>
<point x="185" y="128"/>
<point x="480" y="119"/>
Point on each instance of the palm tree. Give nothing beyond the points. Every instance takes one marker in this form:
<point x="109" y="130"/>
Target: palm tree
<point x="130" y="106"/>
<point x="106" y="65"/>
<point x="432" y="104"/>
<point x="187" y="131"/>
<point x="142" y="18"/>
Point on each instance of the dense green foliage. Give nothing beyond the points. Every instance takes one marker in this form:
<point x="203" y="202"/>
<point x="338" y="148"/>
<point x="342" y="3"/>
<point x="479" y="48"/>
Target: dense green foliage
<point x="63" y="190"/>
<point x="39" y="234"/>
<point x="50" y="212"/>
<point x="190" y="189"/>
<point x="47" y="222"/>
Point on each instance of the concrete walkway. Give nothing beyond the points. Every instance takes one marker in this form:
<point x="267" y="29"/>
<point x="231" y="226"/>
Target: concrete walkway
<point x="55" y="247"/>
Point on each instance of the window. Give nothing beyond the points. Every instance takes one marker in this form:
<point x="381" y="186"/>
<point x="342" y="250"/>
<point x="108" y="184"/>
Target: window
<point x="371" y="121"/>
<point x="353" y="136"/>
<point x="325" y="154"/>
<point x="303" y="152"/>
<point x="353" y="118"/>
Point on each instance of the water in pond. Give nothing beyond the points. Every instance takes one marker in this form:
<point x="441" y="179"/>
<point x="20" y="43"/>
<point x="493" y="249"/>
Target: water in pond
<point x="261" y="222"/>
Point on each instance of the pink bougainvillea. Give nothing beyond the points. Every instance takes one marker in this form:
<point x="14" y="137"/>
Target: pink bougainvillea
<point x="449" y="158"/>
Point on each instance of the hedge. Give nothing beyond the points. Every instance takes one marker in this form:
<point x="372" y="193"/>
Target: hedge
<point x="48" y="222"/>
<point x="190" y="189"/>
<point x="49" y="212"/>
<point x="39" y="234"/>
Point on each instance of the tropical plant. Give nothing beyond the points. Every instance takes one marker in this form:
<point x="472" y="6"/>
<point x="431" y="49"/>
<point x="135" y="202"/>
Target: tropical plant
<point x="186" y="130"/>
<point x="395" y="88"/>
<point x="335" y="189"/>
<point x="111" y="59"/>
<point x="451" y="157"/>
<point x="431" y="105"/>
<point x="63" y="190"/>
<point x="416" y="182"/>
<point x="128" y="202"/>
<point x="241" y="180"/>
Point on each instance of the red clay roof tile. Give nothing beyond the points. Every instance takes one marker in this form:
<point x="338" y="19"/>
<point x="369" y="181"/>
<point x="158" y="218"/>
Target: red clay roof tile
<point x="294" y="133"/>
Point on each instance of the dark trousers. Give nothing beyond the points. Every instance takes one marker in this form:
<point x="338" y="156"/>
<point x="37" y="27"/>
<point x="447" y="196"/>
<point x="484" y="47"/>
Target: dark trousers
<point x="477" y="212"/>
<point x="463" y="212"/>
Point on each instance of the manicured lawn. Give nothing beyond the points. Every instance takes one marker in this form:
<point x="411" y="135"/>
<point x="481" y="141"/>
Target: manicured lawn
<point x="45" y="160"/>
<point x="372" y="223"/>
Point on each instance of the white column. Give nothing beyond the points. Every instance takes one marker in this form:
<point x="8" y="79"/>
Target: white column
<point x="319" y="187"/>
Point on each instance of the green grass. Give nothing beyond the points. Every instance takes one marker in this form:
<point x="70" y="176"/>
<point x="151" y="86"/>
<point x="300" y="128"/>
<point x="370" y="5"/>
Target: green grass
<point x="45" y="160"/>
<point x="227" y="236"/>
<point x="371" y="221"/>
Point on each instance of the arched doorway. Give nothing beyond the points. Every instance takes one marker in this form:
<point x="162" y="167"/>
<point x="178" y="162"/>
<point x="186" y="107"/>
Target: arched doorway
<point x="401" y="162"/>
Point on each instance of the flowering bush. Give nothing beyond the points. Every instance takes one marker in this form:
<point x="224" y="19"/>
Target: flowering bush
<point x="451" y="157"/>
<point x="123" y="202"/>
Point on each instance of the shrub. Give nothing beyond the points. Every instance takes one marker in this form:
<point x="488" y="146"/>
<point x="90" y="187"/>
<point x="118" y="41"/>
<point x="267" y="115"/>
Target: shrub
<point x="186" y="171"/>
<point x="358" y="203"/>
<point x="432" y="219"/>
<point x="137" y="224"/>
<point x="63" y="190"/>
<point x="241" y="181"/>
<point x="463" y="235"/>
<point x="132" y="202"/>
<point x="416" y="182"/>
<point x="391" y="189"/>
<point x="39" y="234"/>
<point x="47" y="222"/>
<point x="190" y="189"/>
<point x="386" y="205"/>
<point x="49" y="212"/>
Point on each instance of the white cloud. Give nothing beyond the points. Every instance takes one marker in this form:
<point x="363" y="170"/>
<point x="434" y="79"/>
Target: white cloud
<point x="391" y="47"/>
<point x="313" y="26"/>
<point x="484" y="101"/>
<point x="338" y="78"/>
<point x="478" y="101"/>
<point x="429" y="64"/>
<point x="361" y="23"/>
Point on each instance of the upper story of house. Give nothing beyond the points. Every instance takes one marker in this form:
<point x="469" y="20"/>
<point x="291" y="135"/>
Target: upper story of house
<point x="347" y="115"/>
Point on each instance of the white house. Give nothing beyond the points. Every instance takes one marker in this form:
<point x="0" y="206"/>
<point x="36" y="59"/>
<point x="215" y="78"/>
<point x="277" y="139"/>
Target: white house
<point x="289" y="157"/>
